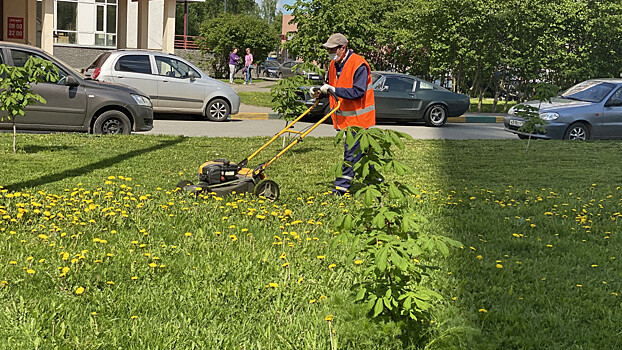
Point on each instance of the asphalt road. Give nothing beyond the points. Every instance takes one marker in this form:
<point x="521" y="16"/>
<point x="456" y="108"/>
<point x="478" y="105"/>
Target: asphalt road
<point x="187" y="126"/>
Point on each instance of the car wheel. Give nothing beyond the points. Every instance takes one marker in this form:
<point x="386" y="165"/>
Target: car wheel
<point x="523" y="137"/>
<point x="578" y="131"/>
<point x="267" y="189"/>
<point x="280" y="75"/>
<point x="435" y="116"/>
<point x="112" y="122"/>
<point x="217" y="110"/>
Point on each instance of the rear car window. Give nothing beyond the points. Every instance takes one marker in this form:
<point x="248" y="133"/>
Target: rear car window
<point x="134" y="64"/>
<point x="99" y="61"/>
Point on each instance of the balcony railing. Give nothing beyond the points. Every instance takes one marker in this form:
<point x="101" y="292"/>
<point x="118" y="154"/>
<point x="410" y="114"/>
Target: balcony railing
<point x="187" y="42"/>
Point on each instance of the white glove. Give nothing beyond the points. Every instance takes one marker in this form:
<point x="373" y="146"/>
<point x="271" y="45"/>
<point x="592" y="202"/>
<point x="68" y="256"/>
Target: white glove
<point x="326" y="88"/>
<point x="312" y="91"/>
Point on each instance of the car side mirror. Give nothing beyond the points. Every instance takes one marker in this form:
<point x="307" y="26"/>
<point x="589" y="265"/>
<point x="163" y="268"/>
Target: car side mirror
<point x="385" y="88"/>
<point x="71" y="81"/>
<point x="191" y="75"/>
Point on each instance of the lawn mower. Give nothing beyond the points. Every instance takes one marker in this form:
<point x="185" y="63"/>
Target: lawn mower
<point x="222" y="177"/>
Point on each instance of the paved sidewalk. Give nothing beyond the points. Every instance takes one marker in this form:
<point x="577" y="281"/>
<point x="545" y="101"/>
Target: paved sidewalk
<point x="259" y="113"/>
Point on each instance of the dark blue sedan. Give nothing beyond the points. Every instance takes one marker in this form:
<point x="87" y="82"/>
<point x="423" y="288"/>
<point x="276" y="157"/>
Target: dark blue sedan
<point x="589" y="110"/>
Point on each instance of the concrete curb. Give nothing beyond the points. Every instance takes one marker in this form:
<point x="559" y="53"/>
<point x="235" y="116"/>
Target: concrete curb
<point x="462" y="119"/>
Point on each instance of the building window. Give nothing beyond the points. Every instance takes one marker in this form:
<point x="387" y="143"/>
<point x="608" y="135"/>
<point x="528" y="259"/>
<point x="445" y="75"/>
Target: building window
<point x="106" y="23"/>
<point x="66" y="21"/>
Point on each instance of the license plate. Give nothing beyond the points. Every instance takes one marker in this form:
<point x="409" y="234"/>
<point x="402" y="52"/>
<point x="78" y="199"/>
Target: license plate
<point x="515" y="122"/>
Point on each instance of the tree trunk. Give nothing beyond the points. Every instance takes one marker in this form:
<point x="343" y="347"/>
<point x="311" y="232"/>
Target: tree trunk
<point x="14" y="136"/>
<point x="496" y="97"/>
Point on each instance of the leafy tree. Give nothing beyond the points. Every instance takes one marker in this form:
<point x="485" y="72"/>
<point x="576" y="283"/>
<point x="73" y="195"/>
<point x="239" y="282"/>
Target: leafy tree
<point x="389" y="236"/>
<point x="359" y="20"/>
<point x="534" y="123"/>
<point x="268" y="11"/>
<point x="198" y="12"/>
<point x="16" y="85"/>
<point x="484" y="46"/>
<point x="225" y="32"/>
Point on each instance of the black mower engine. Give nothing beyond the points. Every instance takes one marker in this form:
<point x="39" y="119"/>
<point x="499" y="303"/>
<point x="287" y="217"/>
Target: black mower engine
<point x="218" y="171"/>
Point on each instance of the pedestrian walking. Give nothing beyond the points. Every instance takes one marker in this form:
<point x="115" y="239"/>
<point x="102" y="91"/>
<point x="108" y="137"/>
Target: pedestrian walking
<point x="248" y="64"/>
<point x="349" y="78"/>
<point x="234" y="59"/>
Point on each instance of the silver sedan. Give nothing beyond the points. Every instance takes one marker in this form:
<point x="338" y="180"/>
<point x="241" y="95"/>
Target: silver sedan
<point x="589" y="110"/>
<point x="173" y="84"/>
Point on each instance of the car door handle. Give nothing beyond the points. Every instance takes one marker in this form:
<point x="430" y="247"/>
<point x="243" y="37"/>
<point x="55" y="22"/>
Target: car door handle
<point x="119" y="76"/>
<point x="165" y="81"/>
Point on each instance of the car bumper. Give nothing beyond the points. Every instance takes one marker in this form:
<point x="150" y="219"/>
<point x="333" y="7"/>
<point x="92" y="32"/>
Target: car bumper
<point x="554" y="130"/>
<point x="235" y="104"/>
<point x="143" y="118"/>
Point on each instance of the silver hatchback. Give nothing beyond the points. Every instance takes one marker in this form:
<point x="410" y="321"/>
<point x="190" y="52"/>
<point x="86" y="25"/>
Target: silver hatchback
<point x="173" y="84"/>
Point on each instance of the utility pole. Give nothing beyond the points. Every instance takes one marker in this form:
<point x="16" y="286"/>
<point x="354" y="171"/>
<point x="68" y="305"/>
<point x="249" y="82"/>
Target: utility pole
<point x="225" y="6"/>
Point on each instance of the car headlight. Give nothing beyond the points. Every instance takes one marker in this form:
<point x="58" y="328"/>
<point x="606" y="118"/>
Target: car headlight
<point x="549" y="116"/>
<point x="512" y="111"/>
<point x="142" y="100"/>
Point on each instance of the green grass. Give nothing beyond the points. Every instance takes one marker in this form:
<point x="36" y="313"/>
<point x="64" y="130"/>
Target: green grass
<point x="256" y="98"/>
<point x="487" y="105"/>
<point x="263" y="99"/>
<point x="73" y="191"/>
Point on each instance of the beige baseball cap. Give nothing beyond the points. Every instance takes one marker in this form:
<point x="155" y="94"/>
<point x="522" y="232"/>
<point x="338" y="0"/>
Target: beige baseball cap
<point x="335" y="40"/>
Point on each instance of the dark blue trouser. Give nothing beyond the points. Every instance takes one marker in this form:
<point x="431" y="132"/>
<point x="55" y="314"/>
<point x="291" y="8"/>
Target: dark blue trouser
<point x="351" y="156"/>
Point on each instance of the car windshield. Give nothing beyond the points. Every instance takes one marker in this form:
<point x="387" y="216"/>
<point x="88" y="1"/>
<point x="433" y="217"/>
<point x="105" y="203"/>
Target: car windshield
<point x="589" y="91"/>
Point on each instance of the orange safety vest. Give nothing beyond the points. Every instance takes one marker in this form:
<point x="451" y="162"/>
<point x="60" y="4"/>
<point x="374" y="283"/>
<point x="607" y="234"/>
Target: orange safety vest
<point x="360" y="112"/>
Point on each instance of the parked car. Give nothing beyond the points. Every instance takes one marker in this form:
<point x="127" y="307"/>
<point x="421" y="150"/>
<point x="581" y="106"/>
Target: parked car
<point x="76" y="104"/>
<point x="173" y="84"/>
<point x="268" y="68"/>
<point x="589" y="110"/>
<point x="285" y="71"/>
<point x="402" y="97"/>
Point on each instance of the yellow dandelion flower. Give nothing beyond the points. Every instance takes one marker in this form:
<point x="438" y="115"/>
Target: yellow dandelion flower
<point x="188" y="234"/>
<point x="579" y="285"/>
<point x="233" y="238"/>
<point x="79" y="290"/>
<point x="153" y="265"/>
<point x="30" y="271"/>
<point x="272" y="285"/>
<point x="482" y="311"/>
<point x="329" y="318"/>
<point x="134" y="317"/>
<point x="285" y="264"/>
<point x="331" y="266"/>
<point x="312" y="301"/>
<point x="12" y="262"/>
<point x="479" y="257"/>
<point x="300" y="280"/>
<point x="110" y="283"/>
<point x="321" y="257"/>
<point x="134" y="278"/>
<point x="322" y="297"/>
<point x="499" y="266"/>
<point x="358" y="262"/>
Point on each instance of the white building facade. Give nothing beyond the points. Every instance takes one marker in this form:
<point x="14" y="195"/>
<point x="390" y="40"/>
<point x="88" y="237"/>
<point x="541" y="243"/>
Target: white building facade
<point x="78" y="30"/>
